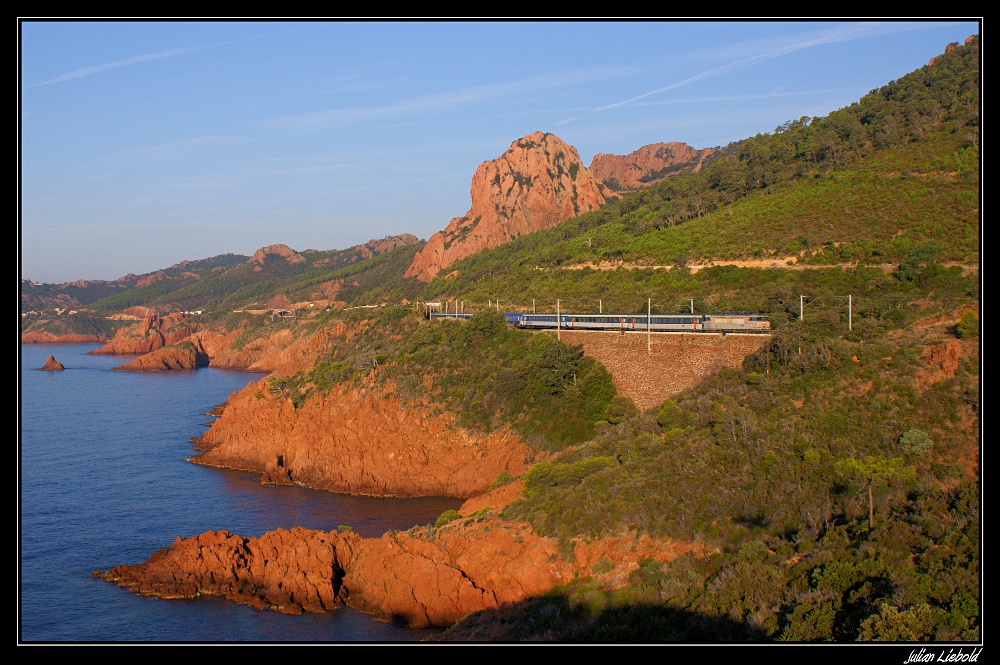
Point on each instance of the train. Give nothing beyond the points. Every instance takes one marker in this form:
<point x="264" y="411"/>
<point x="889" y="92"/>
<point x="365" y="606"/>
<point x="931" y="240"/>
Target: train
<point x="717" y="323"/>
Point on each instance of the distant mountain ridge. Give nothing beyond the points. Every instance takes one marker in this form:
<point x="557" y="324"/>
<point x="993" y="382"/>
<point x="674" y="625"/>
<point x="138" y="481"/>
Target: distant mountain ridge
<point x="193" y="284"/>
<point x="82" y="292"/>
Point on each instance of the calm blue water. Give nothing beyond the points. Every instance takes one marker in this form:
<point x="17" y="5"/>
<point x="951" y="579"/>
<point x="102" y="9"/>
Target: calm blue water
<point x="104" y="481"/>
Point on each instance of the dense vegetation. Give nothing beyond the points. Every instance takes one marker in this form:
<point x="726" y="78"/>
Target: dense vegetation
<point x="482" y="370"/>
<point x="770" y="436"/>
<point x="834" y="477"/>
<point x="770" y="466"/>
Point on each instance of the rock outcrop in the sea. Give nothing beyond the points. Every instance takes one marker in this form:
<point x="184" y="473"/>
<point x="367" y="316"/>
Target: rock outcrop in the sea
<point x="51" y="365"/>
<point x="288" y="571"/>
<point x="424" y="577"/>
<point x="152" y="333"/>
<point x="648" y="164"/>
<point x="357" y="441"/>
<point x="279" y="351"/>
<point x="538" y="183"/>
<point x="187" y="354"/>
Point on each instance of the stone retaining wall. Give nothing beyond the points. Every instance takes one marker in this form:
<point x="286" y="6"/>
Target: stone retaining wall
<point x="675" y="361"/>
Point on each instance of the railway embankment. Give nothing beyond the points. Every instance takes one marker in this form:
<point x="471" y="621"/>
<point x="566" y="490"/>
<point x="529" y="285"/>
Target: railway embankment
<point x="673" y="361"/>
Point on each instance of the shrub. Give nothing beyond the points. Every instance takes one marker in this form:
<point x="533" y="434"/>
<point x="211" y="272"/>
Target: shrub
<point x="669" y="415"/>
<point x="915" y="442"/>
<point x="621" y="409"/>
<point x="445" y="517"/>
<point x="968" y="325"/>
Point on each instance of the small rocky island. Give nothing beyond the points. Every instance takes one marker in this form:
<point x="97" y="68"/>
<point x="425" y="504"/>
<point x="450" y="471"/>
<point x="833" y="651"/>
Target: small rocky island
<point x="51" y="365"/>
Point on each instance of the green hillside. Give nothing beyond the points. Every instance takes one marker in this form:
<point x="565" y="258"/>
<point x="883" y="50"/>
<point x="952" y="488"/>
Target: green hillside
<point x="835" y="476"/>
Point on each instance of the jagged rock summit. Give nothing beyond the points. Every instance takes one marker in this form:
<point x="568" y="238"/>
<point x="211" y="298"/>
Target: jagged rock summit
<point x="648" y="164"/>
<point x="281" y="251"/>
<point x="375" y="247"/>
<point x="952" y="46"/>
<point x="538" y="183"/>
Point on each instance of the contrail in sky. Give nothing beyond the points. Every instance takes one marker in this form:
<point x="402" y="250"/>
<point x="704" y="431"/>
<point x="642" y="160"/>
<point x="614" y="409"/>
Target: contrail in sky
<point x="96" y="69"/>
<point x="843" y="34"/>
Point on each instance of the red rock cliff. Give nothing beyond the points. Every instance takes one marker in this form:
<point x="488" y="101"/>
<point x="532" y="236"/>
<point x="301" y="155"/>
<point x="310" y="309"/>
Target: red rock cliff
<point x="187" y="354"/>
<point x="148" y="335"/>
<point x="423" y="577"/>
<point x="538" y="183"/>
<point x="647" y="165"/>
<point x="357" y="442"/>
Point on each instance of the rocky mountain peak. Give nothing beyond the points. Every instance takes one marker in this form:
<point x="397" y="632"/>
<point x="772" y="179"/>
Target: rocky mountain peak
<point x="537" y="183"/>
<point x="282" y="251"/>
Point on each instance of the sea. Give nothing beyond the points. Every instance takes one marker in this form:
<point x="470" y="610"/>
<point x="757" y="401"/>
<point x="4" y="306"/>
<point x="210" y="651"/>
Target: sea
<point x="103" y="479"/>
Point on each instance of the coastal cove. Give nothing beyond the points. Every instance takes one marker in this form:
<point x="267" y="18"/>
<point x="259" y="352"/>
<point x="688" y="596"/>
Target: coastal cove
<point x="104" y="479"/>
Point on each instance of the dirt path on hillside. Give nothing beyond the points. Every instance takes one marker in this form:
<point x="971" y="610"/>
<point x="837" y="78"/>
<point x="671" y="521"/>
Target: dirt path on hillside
<point x="782" y="262"/>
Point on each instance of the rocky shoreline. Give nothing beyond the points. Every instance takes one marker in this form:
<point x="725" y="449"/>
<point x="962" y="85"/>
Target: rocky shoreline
<point x="427" y="576"/>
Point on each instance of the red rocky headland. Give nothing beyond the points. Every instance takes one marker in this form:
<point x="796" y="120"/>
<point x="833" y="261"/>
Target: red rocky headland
<point x="424" y="577"/>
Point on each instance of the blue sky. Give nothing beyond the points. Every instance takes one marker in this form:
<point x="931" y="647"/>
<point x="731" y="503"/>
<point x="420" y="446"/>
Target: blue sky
<point x="145" y="144"/>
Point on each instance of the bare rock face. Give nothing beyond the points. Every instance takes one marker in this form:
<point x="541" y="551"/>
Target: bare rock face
<point x="279" y="251"/>
<point x="264" y="354"/>
<point x="648" y="164"/>
<point x="538" y="183"/>
<point x="150" y="334"/>
<point x="376" y="247"/>
<point x="187" y="354"/>
<point x="288" y="571"/>
<point x="495" y="499"/>
<point x="357" y="442"/>
<point x="278" y="352"/>
<point x="437" y="577"/>
<point x="51" y="365"/>
<point x="425" y="577"/>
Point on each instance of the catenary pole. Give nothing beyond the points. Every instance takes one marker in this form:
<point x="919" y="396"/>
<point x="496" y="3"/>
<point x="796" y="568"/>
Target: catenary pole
<point x="558" y="321"/>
